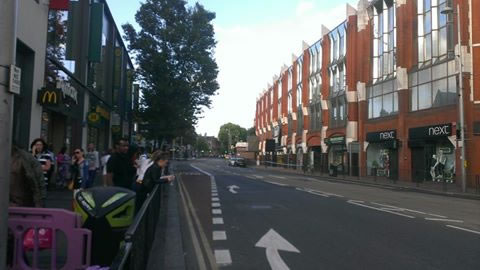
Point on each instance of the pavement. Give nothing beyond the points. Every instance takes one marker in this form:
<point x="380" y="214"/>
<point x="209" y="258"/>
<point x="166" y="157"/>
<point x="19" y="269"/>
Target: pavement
<point x="252" y="218"/>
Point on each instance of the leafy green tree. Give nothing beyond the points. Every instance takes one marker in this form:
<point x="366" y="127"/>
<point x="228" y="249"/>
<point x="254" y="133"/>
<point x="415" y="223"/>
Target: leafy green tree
<point x="202" y="145"/>
<point x="251" y="131"/>
<point x="233" y="133"/>
<point x="177" y="71"/>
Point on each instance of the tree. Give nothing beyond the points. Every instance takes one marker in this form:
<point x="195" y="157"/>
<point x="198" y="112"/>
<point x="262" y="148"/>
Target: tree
<point x="176" y="68"/>
<point x="251" y="131"/>
<point x="202" y="145"/>
<point x="233" y="133"/>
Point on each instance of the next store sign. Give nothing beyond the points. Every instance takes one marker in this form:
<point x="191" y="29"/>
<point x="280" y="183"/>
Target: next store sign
<point x="442" y="130"/>
<point x="381" y="136"/>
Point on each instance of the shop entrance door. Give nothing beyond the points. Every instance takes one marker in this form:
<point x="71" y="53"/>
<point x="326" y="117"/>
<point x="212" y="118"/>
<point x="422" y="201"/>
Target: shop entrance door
<point x="429" y="162"/>
<point x="418" y="164"/>
<point x="393" y="157"/>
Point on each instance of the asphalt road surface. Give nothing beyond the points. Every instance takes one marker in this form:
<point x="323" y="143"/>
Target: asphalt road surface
<point x="252" y="218"/>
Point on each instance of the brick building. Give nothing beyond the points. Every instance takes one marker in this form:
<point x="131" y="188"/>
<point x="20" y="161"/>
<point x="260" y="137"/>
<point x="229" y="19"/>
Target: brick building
<point x="379" y="95"/>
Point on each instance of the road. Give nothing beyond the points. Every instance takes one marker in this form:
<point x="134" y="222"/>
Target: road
<point x="252" y="218"/>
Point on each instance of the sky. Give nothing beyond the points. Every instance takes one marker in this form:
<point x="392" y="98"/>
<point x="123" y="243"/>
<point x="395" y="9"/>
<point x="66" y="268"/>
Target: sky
<point x="255" y="38"/>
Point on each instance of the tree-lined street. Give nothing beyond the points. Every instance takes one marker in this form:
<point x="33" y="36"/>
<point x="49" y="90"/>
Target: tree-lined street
<point x="287" y="221"/>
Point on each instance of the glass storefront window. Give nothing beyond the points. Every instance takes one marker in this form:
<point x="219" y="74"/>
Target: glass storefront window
<point x="382" y="99"/>
<point x="384" y="41"/>
<point x="432" y="32"/>
<point x="435" y="86"/>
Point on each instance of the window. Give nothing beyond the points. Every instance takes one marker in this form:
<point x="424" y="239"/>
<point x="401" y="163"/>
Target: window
<point x="299" y="121"/>
<point x="315" y="79"/>
<point x="433" y="86"/>
<point x="382" y="99"/>
<point x="384" y="40"/>
<point x="338" y="43"/>
<point x="290" y="79"/>
<point x="432" y="32"/>
<point x="279" y="102"/>
<point x="289" y="102"/>
<point x="337" y="78"/>
<point x="338" y="113"/>
<point x="316" y="116"/>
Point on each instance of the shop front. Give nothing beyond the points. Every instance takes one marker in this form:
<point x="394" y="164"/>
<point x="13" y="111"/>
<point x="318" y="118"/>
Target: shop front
<point x="62" y="111"/>
<point x="433" y="153"/>
<point x="98" y="125"/>
<point x="382" y="154"/>
<point x="337" y="155"/>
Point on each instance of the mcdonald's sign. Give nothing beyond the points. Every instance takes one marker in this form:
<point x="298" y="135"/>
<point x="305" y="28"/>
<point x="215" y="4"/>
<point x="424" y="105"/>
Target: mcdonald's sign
<point x="49" y="97"/>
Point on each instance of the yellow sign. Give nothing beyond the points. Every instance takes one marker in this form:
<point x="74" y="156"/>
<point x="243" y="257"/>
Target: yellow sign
<point x="93" y="118"/>
<point x="115" y="129"/>
<point x="48" y="97"/>
<point x="104" y="113"/>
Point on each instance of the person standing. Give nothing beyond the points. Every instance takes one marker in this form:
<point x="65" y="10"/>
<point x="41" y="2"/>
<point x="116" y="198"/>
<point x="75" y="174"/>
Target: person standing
<point x="104" y="160"/>
<point x="39" y="147"/>
<point x="80" y="170"/>
<point x="93" y="163"/>
<point x="120" y="169"/>
<point x="27" y="184"/>
<point x="63" y="165"/>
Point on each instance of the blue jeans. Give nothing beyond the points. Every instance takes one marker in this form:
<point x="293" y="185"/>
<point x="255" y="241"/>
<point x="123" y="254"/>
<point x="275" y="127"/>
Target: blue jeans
<point x="91" y="178"/>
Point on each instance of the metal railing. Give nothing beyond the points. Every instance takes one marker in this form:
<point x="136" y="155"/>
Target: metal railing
<point x="138" y="240"/>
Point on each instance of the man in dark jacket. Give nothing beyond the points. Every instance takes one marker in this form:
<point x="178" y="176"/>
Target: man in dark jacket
<point x="120" y="169"/>
<point x="27" y="185"/>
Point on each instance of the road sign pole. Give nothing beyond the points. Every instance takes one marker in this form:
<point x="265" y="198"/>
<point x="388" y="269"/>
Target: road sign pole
<point x="8" y="34"/>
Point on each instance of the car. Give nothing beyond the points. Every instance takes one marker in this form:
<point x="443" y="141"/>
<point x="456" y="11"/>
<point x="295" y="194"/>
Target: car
<point x="237" y="161"/>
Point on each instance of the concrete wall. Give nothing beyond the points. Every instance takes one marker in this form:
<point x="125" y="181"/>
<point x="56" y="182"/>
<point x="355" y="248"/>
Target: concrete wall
<point x="31" y="29"/>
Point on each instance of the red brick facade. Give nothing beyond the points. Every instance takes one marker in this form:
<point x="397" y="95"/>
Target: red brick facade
<point x="356" y="138"/>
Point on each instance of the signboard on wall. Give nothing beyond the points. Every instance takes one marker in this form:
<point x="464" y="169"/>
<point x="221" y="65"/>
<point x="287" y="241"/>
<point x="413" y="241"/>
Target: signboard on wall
<point x="15" y="79"/>
<point x="50" y="97"/>
<point x="381" y="136"/>
<point x="435" y="131"/>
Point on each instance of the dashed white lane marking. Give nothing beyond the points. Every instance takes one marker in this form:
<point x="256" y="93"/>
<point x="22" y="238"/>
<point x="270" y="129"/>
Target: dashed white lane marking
<point x="217" y="211"/>
<point x="463" y="229"/>
<point x="278" y="184"/>
<point x="217" y="220"/>
<point x="250" y="177"/>
<point x="318" y="192"/>
<point x="223" y="258"/>
<point x="216" y="204"/>
<point x="258" y="176"/>
<point x="445" y="220"/>
<point x="409" y="210"/>
<point x="276" y="176"/>
<point x="360" y="203"/>
<point x="215" y="199"/>
<point x="214" y="194"/>
<point x="219" y="235"/>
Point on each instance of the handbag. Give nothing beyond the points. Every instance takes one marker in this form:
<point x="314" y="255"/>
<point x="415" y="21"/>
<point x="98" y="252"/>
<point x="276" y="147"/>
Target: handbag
<point x="44" y="239"/>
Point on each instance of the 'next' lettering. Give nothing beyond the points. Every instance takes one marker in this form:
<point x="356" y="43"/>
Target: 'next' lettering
<point x="438" y="131"/>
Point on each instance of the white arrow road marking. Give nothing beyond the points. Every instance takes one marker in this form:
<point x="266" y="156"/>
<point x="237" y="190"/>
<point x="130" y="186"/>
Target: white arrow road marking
<point x="232" y="189"/>
<point x="273" y="242"/>
<point x="360" y="203"/>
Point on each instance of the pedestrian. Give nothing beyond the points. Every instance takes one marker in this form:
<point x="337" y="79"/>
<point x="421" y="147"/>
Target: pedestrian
<point x="120" y="169"/>
<point x="93" y="162"/>
<point x="154" y="171"/>
<point x="39" y="147"/>
<point x="158" y="172"/>
<point x="104" y="160"/>
<point x="51" y="171"/>
<point x="63" y="164"/>
<point x="80" y="170"/>
<point x="27" y="183"/>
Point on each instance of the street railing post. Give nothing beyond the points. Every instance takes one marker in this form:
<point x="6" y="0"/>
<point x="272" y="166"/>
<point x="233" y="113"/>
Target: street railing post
<point x="8" y="38"/>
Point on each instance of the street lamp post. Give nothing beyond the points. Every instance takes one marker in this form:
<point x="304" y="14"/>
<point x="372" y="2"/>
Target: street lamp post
<point x="449" y="11"/>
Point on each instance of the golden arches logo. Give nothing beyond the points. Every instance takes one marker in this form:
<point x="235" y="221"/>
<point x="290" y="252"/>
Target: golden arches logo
<point x="50" y="97"/>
